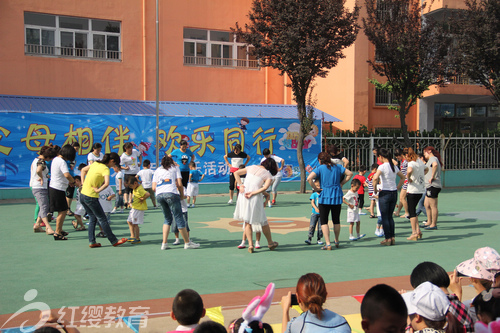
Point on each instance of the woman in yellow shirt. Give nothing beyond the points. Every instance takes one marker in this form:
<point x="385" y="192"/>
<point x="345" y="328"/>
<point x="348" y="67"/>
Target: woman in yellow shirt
<point x="95" y="178"/>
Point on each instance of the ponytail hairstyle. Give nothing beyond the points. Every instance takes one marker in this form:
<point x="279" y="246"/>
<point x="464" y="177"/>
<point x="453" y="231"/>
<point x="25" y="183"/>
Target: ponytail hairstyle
<point x="386" y="153"/>
<point x="411" y="155"/>
<point x="110" y="157"/>
<point x="325" y="158"/>
<point x="433" y="151"/>
<point x="167" y="162"/>
<point x="311" y="292"/>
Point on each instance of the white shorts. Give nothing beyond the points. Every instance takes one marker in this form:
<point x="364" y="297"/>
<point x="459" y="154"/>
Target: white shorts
<point x="136" y="216"/>
<point x="192" y="189"/>
<point x="353" y="216"/>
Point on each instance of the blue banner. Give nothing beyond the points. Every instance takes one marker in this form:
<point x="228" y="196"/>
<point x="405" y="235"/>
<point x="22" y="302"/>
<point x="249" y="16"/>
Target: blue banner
<point x="210" y="138"/>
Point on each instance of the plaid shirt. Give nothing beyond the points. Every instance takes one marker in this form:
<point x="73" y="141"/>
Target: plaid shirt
<point x="459" y="311"/>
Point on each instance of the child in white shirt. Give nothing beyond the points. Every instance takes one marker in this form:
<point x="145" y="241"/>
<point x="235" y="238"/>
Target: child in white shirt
<point x="351" y="200"/>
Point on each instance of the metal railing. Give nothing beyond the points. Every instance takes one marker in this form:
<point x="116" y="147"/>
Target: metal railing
<point x="458" y="153"/>
<point x="71" y="52"/>
<point x="220" y="62"/>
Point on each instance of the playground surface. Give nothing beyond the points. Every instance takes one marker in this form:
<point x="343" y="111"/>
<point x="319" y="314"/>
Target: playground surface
<point x="69" y="275"/>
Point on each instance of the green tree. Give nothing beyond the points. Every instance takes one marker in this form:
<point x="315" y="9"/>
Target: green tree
<point x="302" y="39"/>
<point x="477" y="50"/>
<point x="410" y="51"/>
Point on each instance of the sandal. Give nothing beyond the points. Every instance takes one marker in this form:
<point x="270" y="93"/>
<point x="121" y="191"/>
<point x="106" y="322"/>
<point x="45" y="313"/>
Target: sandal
<point x="372" y="216"/>
<point x="59" y="237"/>
<point x="250" y="249"/>
<point x="336" y="244"/>
<point x="273" y="246"/>
<point x="64" y="233"/>
<point x="327" y="247"/>
<point x="81" y="228"/>
<point x="75" y="224"/>
<point x="50" y="233"/>
<point x="39" y="229"/>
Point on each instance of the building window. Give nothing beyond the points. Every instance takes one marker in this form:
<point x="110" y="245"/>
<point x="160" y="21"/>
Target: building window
<point x="216" y="49"/>
<point x="466" y="118"/>
<point x="383" y="97"/>
<point x="67" y="36"/>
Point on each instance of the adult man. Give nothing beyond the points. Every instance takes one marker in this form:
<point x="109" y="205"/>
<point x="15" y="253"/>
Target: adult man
<point x="182" y="157"/>
<point x="237" y="156"/>
<point x="276" y="179"/>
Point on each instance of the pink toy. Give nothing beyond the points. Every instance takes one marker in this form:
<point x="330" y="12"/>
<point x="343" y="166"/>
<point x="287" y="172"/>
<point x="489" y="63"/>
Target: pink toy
<point x="260" y="305"/>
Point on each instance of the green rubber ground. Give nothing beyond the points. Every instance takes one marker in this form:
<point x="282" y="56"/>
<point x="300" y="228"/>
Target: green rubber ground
<point x="68" y="273"/>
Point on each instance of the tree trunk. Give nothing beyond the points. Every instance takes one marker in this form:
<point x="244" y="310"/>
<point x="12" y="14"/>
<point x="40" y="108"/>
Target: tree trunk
<point x="302" y="165"/>
<point x="404" y="128"/>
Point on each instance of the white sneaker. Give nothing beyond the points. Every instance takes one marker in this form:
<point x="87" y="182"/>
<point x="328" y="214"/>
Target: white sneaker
<point x="121" y="210"/>
<point x="352" y="238"/>
<point x="192" y="205"/>
<point x="177" y="242"/>
<point x="257" y="245"/>
<point x="191" y="245"/>
<point x="269" y="205"/>
<point x="230" y="201"/>
<point x="376" y="232"/>
<point x="113" y="211"/>
<point x="164" y="246"/>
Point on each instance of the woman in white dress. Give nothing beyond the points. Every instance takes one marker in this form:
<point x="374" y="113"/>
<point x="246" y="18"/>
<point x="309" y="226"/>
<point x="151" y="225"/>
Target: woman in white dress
<point x="250" y="204"/>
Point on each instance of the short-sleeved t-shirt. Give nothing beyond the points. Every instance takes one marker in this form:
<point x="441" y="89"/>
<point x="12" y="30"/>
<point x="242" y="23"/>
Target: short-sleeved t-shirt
<point x="165" y="180"/>
<point x="278" y="161"/>
<point x="139" y="192"/>
<point x="315" y="197"/>
<point x="437" y="181"/>
<point x="57" y="170"/>
<point x="94" y="178"/>
<point x="92" y="158"/>
<point x="237" y="159"/>
<point x="119" y="175"/>
<point x="195" y="175"/>
<point x="388" y="177"/>
<point x="362" y="179"/>
<point x="182" y="158"/>
<point x="107" y="205"/>
<point x="352" y="198"/>
<point x="417" y="177"/>
<point x="131" y="161"/>
<point x="35" y="179"/>
<point x="146" y="176"/>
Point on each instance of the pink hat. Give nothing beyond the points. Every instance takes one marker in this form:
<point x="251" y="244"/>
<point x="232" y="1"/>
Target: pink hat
<point x="484" y="265"/>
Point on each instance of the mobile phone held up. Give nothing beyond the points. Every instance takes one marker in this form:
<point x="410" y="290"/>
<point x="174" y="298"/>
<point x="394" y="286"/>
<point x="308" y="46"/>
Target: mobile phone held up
<point x="294" y="300"/>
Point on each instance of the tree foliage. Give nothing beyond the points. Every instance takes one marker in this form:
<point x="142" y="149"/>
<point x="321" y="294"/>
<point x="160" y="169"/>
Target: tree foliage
<point x="302" y="39"/>
<point x="477" y="51"/>
<point x="410" y="51"/>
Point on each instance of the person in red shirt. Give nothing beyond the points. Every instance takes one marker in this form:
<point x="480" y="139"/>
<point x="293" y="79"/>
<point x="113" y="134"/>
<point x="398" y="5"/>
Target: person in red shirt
<point x="361" y="191"/>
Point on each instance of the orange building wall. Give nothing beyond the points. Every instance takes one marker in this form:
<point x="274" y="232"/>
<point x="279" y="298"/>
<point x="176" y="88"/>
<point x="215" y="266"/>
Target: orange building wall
<point x="135" y="76"/>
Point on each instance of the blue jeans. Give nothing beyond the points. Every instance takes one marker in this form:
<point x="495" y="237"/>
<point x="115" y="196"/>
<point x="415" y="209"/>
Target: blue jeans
<point x="312" y="226"/>
<point x="387" y="202"/>
<point x="96" y="215"/>
<point x="170" y="204"/>
<point x="421" y="207"/>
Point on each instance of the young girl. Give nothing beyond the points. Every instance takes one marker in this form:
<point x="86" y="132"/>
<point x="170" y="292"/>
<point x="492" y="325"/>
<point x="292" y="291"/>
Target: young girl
<point x="120" y="187"/>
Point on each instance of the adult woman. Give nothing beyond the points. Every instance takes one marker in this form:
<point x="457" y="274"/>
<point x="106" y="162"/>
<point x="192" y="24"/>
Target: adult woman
<point x="95" y="178"/>
<point x="130" y="161"/>
<point x="401" y="156"/>
<point x="167" y="184"/>
<point x="330" y="199"/>
<point x="95" y="154"/>
<point x="39" y="181"/>
<point x="337" y="156"/>
<point x="388" y="195"/>
<point x="432" y="186"/>
<point x="250" y="204"/>
<point x="311" y="295"/>
<point x="60" y="178"/>
<point x="416" y="188"/>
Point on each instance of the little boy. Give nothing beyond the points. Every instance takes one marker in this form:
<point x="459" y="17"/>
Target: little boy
<point x="314" y="217"/>
<point x="195" y="176"/>
<point x="105" y="197"/>
<point x="351" y="200"/>
<point x="361" y="191"/>
<point x="146" y="178"/>
<point x="120" y="186"/>
<point x="187" y="310"/>
<point x="383" y="310"/>
<point x="369" y="181"/>
<point x="79" y="210"/>
<point x="139" y="205"/>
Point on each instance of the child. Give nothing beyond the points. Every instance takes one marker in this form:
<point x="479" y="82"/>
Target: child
<point x="370" y="188"/>
<point x="139" y="205"/>
<point x="379" y="230"/>
<point x="120" y="186"/>
<point x="361" y="191"/>
<point x="314" y="217"/>
<point x="383" y="310"/>
<point x="187" y="310"/>
<point x="79" y="210"/>
<point x="195" y="176"/>
<point x="351" y="200"/>
<point x="146" y="177"/>
<point x="105" y="197"/>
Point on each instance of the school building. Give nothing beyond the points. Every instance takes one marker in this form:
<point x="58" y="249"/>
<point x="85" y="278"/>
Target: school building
<point x="98" y="49"/>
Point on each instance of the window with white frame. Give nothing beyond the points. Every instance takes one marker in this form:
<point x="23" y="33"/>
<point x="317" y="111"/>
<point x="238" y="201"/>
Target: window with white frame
<point x="217" y="49"/>
<point x="383" y="97"/>
<point x="68" y="36"/>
